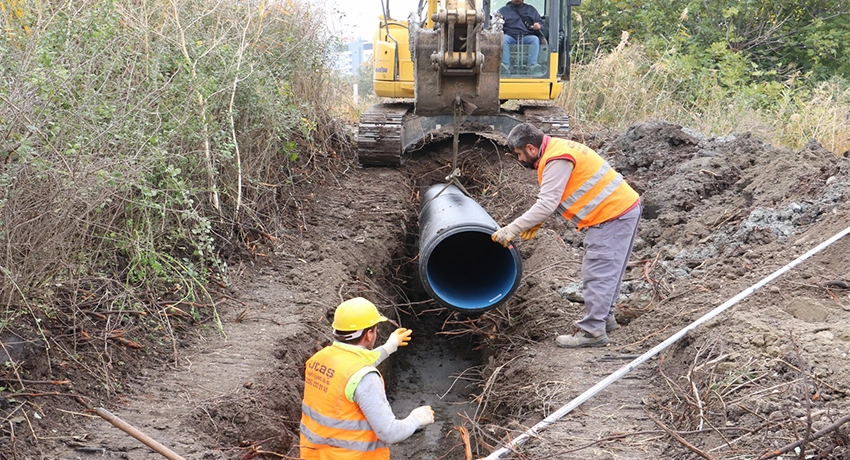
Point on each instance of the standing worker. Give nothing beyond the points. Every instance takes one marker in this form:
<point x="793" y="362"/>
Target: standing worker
<point x="585" y="190"/>
<point x="345" y="414"/>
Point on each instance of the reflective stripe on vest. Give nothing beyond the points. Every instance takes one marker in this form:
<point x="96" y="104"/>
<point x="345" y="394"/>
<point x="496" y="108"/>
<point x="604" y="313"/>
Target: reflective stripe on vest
<point x="594" y="193"/>
<point x="334" y="422"/>
<point x="355" y="379"/>
<point x="359" y="446"/>
<point x="582" y="213"/>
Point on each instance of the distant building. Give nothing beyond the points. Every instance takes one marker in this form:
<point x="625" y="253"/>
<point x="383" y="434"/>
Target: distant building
<point x="352" y="55"/>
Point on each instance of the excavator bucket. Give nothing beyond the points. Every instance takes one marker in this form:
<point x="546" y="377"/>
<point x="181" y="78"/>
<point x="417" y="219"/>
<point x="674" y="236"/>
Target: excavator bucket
<point x="437" y="87"/>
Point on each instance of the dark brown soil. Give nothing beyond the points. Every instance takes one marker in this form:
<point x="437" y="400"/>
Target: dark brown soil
<point x="720" y="215"/>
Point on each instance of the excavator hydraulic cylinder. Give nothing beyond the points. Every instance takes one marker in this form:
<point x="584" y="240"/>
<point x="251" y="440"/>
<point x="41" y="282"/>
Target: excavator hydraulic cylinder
<point x="459" y="265"/>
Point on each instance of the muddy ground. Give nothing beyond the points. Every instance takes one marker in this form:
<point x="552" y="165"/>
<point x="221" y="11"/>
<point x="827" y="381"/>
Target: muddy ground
<point x="720" y="215"/>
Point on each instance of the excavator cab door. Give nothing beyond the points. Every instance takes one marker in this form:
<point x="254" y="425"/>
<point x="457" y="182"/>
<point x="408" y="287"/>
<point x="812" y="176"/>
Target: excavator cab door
<point x="564" y="37"/>
<point x="532" y="57"/>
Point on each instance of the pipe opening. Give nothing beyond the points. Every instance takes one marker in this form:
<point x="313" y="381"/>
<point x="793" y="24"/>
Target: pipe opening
<point x="459" y="265"/>
<point x="469" y="272"/>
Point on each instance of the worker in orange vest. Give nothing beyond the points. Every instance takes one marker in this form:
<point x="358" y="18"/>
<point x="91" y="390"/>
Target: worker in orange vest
<point x="345" y="414"/>
<point x="584" y="189"/>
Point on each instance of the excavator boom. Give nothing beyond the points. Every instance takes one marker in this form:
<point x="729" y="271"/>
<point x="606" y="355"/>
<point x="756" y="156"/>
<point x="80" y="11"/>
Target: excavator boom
<point x="458" y="59"/>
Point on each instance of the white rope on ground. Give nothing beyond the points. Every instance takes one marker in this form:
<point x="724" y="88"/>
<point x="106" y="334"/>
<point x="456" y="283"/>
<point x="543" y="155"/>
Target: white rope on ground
<point x="567" y="408"/>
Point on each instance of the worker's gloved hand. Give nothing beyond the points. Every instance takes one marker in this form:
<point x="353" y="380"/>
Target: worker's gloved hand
<point x="531" y="232"/>
<point x="398" y="338"/>
<point x="503" y="236"/>
<point x="424" y="414"/>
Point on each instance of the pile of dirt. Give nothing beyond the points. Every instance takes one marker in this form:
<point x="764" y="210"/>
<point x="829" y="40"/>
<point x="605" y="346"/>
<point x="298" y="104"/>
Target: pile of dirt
<point x="720" y="214"/>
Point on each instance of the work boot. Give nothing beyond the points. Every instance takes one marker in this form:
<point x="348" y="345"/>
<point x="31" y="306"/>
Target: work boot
<point x="611" y="325"/>
<point x="581" y="339"/>
<point x="504" y="68"/>
<point x="535" y="69"/>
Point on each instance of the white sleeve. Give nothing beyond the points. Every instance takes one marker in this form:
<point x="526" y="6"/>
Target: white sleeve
<point x="372" y="399"/>
<point x="384" y="355"/>
<point x="556" y="174"/>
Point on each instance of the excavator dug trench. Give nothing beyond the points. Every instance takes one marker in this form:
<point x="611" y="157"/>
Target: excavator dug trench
<point x="449" y="65"/>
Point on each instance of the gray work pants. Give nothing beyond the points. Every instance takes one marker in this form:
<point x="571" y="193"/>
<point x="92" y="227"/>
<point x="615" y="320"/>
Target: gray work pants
<point x="607" y="247"/>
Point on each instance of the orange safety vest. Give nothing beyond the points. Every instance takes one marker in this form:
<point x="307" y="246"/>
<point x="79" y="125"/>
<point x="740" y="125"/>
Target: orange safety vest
<point x="332" y="425"/>
<point x="595" y="193"/>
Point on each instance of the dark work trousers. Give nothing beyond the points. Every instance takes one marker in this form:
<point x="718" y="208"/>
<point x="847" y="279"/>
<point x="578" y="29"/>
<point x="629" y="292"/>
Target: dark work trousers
<point x="607" y="247"/>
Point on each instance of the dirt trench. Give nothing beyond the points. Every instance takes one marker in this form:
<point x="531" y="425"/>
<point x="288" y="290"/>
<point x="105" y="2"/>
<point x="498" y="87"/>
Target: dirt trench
<point x="719" y="215"/>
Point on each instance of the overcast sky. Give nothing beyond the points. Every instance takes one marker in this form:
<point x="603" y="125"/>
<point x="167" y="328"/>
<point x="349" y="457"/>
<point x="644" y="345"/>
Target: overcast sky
<point x="359" y="18"/>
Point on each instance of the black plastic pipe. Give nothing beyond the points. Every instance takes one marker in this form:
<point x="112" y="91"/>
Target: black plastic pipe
<point x="459" y="265"/>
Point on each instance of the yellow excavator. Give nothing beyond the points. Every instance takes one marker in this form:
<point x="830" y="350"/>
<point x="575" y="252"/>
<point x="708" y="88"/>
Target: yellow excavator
<point x="447" y="58"/>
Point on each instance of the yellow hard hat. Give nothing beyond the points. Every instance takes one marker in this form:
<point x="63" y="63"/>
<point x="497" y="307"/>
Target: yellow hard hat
<point x="356" y="314"/>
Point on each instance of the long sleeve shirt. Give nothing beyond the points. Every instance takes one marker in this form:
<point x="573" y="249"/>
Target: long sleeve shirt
<point x="555" y="177"/>
<point x="371" y="396"/>
<point x="519" y="19"/>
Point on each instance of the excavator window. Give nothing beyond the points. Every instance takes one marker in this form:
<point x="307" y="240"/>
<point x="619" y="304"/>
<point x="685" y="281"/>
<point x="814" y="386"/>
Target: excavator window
<point x="521" y="54"/>
<point x="540" y="5"/>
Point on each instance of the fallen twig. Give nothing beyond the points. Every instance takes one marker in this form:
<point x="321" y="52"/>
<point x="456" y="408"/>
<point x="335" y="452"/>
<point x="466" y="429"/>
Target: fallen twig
<point x="35" y="395"/>
<point x="134" y="432"/>
<point x="46" y="382"/>
<point x="839" y="284"/>
<point x="676" y="436"/>
<point x="800" y="442"/>
<point x="811" y="376"/>
<point x="467" y="447"/>
<point x="256" y="451"/>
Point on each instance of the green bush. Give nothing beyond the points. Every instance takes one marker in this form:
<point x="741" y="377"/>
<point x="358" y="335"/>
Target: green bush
<point x="139" y="138"/>
<point x="644" y="60"/>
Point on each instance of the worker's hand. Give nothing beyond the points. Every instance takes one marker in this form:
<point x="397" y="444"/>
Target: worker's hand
<point x="398" y="338"/>
<point x="531" y="232"/>
<point x="424" y="414"/>
<point x="503" y="236"/>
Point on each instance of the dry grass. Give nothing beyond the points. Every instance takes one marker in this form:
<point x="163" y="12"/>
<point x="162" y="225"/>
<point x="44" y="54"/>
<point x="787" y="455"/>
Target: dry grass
<point x="627" y="86"/>
<point x="143" y="151"/>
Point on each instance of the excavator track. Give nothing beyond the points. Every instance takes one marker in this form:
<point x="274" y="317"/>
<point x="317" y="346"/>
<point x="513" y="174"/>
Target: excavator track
<point x="380" y="139"/>
<point x="389" y="131"/>
<point x="551" y="119"/>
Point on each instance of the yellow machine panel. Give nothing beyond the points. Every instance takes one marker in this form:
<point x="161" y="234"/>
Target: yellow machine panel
<point x="385" y="61"/>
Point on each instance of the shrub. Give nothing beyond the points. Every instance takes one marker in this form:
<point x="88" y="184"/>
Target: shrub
<point x="140" y="138"/>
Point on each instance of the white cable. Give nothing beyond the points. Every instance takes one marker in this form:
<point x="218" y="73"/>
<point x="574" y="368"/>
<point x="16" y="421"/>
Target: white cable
<point x="567" y="408"/>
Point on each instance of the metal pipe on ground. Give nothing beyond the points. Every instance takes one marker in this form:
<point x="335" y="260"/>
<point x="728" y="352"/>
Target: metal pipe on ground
<point x="459" y="265"/>
<point x="602" y="384"/>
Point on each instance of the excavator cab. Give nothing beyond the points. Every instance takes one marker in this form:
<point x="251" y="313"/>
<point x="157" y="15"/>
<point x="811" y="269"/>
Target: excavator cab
<point x="524" y="59"/>
<point x="443" y="65"/>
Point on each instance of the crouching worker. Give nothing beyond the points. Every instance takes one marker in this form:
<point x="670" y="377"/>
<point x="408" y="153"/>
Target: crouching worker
<point x="345" y="414"/>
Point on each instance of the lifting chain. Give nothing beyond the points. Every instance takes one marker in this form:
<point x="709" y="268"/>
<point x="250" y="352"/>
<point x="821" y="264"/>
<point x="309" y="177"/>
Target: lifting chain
<point x="458" y="116"/>
<point x="457" y="111"/>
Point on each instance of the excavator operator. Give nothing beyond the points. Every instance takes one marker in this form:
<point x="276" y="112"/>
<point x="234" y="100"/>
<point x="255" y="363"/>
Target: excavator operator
<point x="522" y="25"/>
<point x="345" y="413"/>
